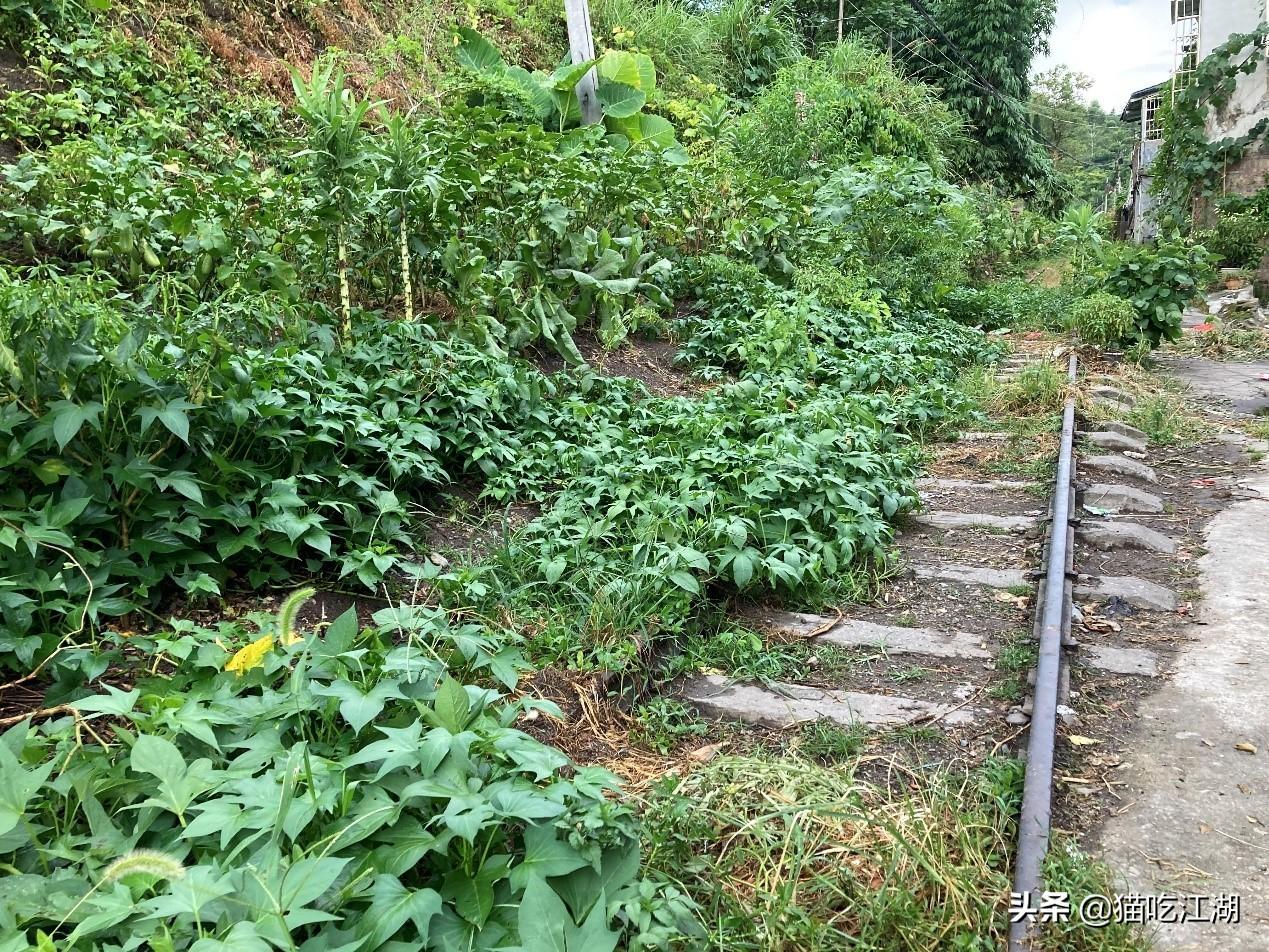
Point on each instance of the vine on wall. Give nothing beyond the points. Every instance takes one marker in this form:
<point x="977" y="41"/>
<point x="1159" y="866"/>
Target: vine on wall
<point x="1188" y="166"/>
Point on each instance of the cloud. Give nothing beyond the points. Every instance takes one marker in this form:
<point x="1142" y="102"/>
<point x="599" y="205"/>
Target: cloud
<point x="1122" y="44"/>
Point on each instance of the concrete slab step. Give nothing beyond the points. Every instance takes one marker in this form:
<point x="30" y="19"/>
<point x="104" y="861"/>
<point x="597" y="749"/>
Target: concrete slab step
<point x="1136" y="661"/>
<point x="983" y="485"/>
<point x="1123" y="429"/>
<point x="1110" y="440"/>
<point x="899" y="640"/>
<point x="1120" y="466"/>
<point x="945" y="519"/>
<point x="973" y="575"/>
<point x="1113" y="497"/>
<point x="1137" y="592"/>
<point x="895" y="639"/>
<point x="1110" y="535"/>
<point x="1112" y="395"/>
<point x="787" y="705"/>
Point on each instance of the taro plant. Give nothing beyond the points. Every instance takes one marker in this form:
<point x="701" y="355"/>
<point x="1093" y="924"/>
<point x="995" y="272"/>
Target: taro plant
<point x="339" y="152"/>
<point x="626" y="84"/>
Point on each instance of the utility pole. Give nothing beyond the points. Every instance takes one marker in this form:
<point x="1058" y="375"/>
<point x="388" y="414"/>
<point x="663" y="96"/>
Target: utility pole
<point x="582" y="49"/>
<point x="841" y="15"/>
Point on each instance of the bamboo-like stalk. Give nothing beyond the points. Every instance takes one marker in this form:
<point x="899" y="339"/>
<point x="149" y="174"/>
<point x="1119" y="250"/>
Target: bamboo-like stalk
<point x="345" y="298"/>
<point x="407" y="284"/>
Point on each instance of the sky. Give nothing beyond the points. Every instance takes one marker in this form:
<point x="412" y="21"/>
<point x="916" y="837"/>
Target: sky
<point x="1123" y="45"/>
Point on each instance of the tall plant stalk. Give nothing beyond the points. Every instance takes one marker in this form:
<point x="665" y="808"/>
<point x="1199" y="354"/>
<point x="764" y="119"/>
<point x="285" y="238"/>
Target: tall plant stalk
<point x="406" y="174"/>
<point x="338" y="152"/>
<point x="407" y="285"/>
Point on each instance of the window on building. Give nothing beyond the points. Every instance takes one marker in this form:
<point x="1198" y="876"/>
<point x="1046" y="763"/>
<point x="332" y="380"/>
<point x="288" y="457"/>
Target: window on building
<point x="1185" y="30"/>
<point x="1151" y="127"/>
<point x="1184" y="8"/>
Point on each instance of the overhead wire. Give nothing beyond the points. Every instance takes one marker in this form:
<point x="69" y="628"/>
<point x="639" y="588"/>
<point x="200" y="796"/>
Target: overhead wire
<point x="984" y="86"/>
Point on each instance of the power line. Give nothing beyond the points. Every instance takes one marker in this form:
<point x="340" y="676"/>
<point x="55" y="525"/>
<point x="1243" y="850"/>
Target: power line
<point x="1009" y="101"/>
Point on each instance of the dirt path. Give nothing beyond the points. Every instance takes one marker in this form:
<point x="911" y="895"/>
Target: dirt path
<point x="1196" y="819"/>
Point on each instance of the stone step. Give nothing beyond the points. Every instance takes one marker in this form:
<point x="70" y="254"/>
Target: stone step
<point x="973" y="575"/>
<point x="1111" y="395"/>
<point x="985" y="485"/>
<point x="1137" y="592"/>
<point x="1112" y="497"/>
<point x="1110" y="440"/>
<point x="1120" y="466"/>
<point x="900" y="640"/>
<point x="945" y="519"/>
<point x="1123" y="429"/>
<point x="1136" y="661"/>
<point x="787" y="705"/>
<point x="894" y="639"/>
<point x="1110" y="535"/>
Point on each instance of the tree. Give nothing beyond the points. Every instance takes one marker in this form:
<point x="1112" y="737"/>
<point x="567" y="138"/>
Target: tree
<point x="889" y="25"/>
<point x="986" y="48"/>
<point x="1085" y="143"/>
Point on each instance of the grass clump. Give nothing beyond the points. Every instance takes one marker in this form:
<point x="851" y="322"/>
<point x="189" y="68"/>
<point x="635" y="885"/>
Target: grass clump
<point x="664" y="722"/>
<point x="1038" y="388"/>
<point x="1103" y="318"/>
<point x="827" y="742"/>
<point x="788" y="854"/>
<point x="1068" y="870"/>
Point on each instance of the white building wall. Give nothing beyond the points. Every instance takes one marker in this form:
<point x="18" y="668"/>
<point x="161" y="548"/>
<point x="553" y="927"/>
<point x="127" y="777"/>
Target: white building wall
<point x="1218" y="20"/>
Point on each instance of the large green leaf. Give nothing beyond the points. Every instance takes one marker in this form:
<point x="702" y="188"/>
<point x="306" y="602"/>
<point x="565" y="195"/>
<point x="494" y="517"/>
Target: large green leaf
<point x="647" y="73"/>
<point x="656" y="130"/>
<point x="392" y="904"/>
<point x="619" y="100"/>
<point x="476" y="53"/>
<point x="17" y="784"/>
<point x="546" y="925"/>
<point x="545" y="855"/>
<point x="619" y="66"/>
<point x="567" y="76"/>
<point x="537" y="87"/>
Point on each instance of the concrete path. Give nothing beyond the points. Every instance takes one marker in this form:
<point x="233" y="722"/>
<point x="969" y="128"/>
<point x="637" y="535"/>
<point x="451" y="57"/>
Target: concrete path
<point x="1196" y="818"/>
<point x="1237" y="382"/>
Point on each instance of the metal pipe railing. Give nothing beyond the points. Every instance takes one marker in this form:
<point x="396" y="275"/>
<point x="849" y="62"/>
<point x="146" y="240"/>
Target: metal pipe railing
<point x="1037" y="792"/>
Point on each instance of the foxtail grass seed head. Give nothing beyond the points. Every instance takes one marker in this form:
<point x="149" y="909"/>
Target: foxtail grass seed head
<point x="150" y="862"/>
<point x="287" y="612"/>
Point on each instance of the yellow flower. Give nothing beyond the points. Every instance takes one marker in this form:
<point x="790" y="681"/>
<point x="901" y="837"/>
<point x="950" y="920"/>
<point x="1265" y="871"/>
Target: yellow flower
<point x="252" y="656"/>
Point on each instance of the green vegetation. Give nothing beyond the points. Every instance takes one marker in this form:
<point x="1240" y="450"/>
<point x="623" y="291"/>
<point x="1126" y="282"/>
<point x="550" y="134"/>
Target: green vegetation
<point x="1103" y="318"/>
<point x="791" y="854"/>
<point x="258" y="317"/>
<point x="664" y="723"/>
<point x="1188" y="166"/>
<point x="344" y="785"/>
<point x="828" y="743"/>
<point x="1240" y="237"/>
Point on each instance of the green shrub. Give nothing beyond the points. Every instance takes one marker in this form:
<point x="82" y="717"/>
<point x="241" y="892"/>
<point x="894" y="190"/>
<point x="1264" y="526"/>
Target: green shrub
<point x="908" y="228"/>
<point x="850" y="107"/>
<point x="681" y="41"/>
<point x="756" y="39"/>
<point x="145" y="456"/>
<point x="1014" y="303"/>
<point x="1103" y="318"/>
<point x="1240" y="239"/>
<point x="1159" y="280"/>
